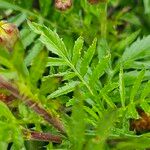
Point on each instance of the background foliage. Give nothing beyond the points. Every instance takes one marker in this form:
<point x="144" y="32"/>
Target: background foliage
<point x="88" y="66"/>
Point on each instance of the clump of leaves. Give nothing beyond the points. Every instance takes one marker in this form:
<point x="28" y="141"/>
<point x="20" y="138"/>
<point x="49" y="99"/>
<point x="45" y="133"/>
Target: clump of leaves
<point x="81" y="94"/>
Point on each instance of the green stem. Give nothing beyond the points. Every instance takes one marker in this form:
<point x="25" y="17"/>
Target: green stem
<point x="79" y="76"/>
<point x="103" y="16"/>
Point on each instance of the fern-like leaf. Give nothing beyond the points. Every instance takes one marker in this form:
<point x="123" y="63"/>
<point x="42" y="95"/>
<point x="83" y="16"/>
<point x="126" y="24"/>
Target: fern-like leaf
<point x="87" y="58"/>
<point x="77" y="50"/>
<point x="52" y="61"/>
<point x="50" y="39"/>
<point x="99" y="70"/>
<point x="136" y="85"/>
<point x="136" y="49"/>
<point x="64" y="90"/>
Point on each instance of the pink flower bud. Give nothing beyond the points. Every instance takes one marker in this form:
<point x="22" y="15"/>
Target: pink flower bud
<point x="63" y="4"/>
<point x="9" y="35"/>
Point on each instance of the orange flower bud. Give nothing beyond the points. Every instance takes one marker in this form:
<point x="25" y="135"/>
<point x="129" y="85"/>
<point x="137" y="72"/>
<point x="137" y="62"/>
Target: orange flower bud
<point x="9" y="35"/>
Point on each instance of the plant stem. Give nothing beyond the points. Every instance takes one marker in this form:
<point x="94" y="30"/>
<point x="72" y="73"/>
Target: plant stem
<point x="80" y="77"/>
<point x="40" y="136"/>
<point x="103" y="16"/>
<point x="33" y="105"/>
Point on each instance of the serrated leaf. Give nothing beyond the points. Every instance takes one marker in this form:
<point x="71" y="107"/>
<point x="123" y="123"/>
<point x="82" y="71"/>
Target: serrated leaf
<point x="136" y="85"/>
<point x="69" y="87"/>
<point x="137" y="64"/>
<point x="50" y="39"/>
<point x="52" y="61"/>
<point x="110" y="86"/>
<point x="71" y="102"/>
<point x="129" y="77"/>
<point x="77" y="50"/>
<point x="99" y="70"/>
<point x="87" y="58"/>
<point x="108" y="100"/>
<point x="104" y="128"/>
<point x="102" y="48"/>
<point x="136" y="49"/>
<point x="126" y="42"/>
<point x="145" y="91"/>
<point x="76" y="124"/>
<point x="33" y="52"/>
<point x="91" y="112"/>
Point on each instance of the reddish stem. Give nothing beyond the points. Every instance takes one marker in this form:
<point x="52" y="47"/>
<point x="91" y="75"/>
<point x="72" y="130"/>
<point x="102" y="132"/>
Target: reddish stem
<point x="33" y="105"/>
<point x="40" y="136"/>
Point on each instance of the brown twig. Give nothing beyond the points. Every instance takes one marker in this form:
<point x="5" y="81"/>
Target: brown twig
<point x="8" y="99"/>
<point x="33" y="105"/>
<point x="40" y="136"/>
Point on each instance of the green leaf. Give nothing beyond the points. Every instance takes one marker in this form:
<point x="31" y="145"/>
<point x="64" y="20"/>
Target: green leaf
<point x="99" y="70"/>
<point x="18" y="19"/>
<point x="29" y="39"/>
<point x="108" y="100"/>
<point x="33" y="52"/>
<point x="3" y="145"/>
<point x="147" y="6"/>
<point x="17" y="58"/>
<point x="104" y="129"/>
<point x="136" y="85"/>
<point x="76" y="124"/>
<point x="69" y="87"/>
<point x="102" y="48"/>
<point x="136" y="49"/>
<point x="5" y="131"/>
<point x="126" y="42"/>
<point x="137" y="64"/>
<point x="26" y="4"/>
<point x="87" y="58"/>
<point x="145" y="106"/>
<point x="110" y="87"/>
<point x="38" y="67"/>
<point x="122" y="87"/>
<point x="50" y="39"/>
<point x="91" y="112"/>
<point x="71" y="102"/>
<point x="4" y="111"/>
<point x="77" y="50"/>
<point x="132" y="112"/>
<point x="5" y="57"/>
<point x="49" y="84"/>
<point x="52" y="61"/>
<point x="11" y="6"/>
<point x="145" y="91"/>
<point x="129" y="77"/>
<point x="44" y="7"/>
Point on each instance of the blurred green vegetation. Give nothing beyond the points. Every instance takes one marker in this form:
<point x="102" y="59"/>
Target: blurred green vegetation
<point x="87" y="65"/>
